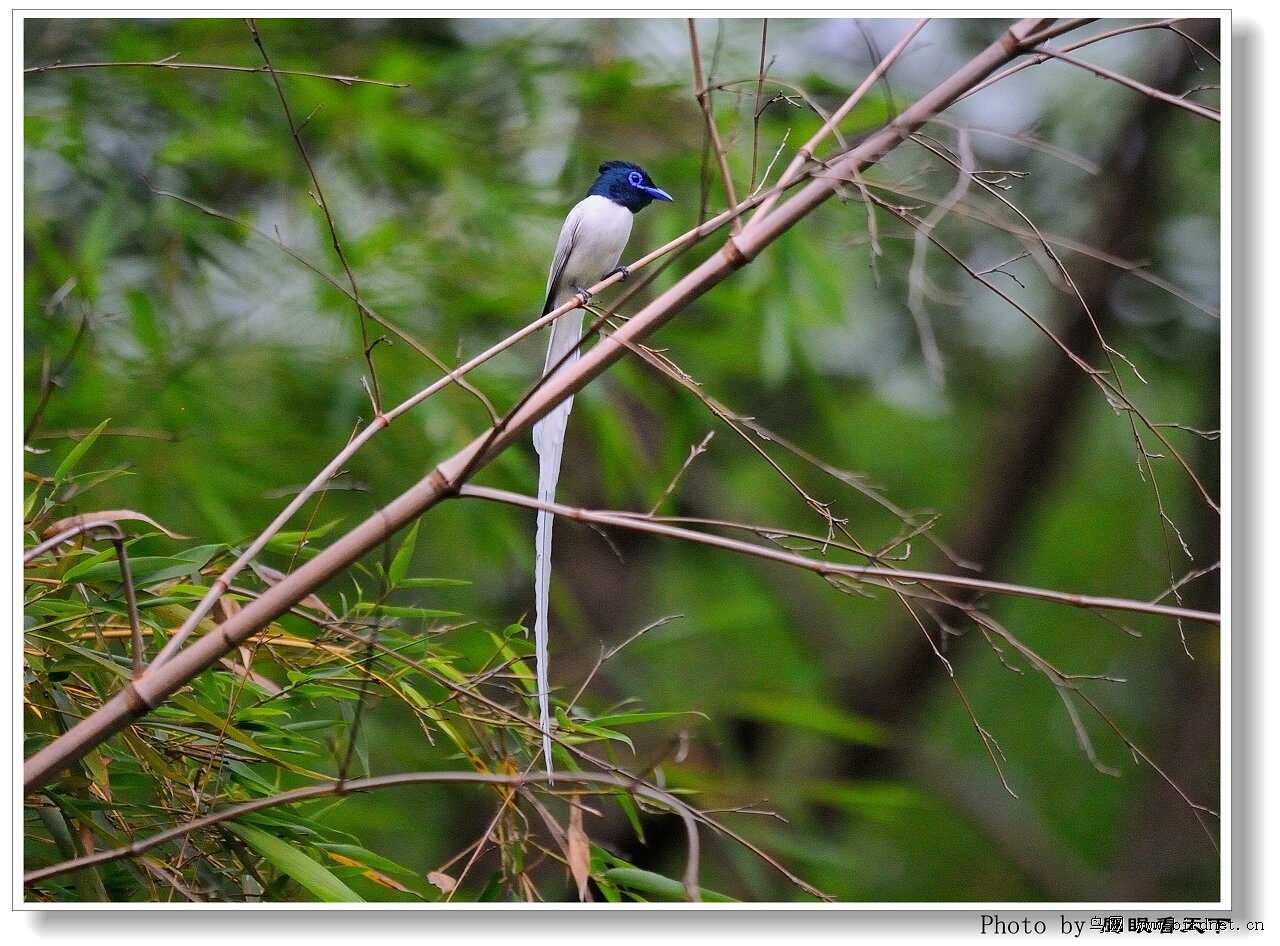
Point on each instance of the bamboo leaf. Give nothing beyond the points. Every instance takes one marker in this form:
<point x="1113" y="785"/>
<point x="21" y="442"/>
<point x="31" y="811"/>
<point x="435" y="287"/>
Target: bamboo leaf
<point x="399" y="567"/>
<point x="602" y="732"/>
<point x="432" y="582"/>
<point x="145" y="570"/>
<point x="656" y="885"/>
<point x="289" y="860"/>
<point x="817" y="717"/>
<point x="630" y="719"/>
<point x="403" y="611"/>
<point x="79" y="450"/>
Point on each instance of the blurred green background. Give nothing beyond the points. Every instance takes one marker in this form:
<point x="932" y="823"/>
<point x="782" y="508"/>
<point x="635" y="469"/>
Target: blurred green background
<point x="232" y="372"/>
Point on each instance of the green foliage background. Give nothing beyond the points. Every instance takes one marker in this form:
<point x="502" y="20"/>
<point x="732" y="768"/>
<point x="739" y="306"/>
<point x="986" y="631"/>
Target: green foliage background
<point x="231" y="373"/>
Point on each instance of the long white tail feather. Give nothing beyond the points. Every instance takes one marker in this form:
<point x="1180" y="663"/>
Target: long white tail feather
<point x="548" y="440"/>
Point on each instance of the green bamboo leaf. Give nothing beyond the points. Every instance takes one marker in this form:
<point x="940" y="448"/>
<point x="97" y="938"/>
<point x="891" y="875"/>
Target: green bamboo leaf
<point x="655" y="885"/>
<point x="288" y="542"/>
<point x="492" y="891"/>
<point x="248" y="776"/>
<point x="581" y="727"/>
<point x="289" y="860"/>
<point x="632" y="811"/>
<point x="875" y="800"/>
<point x="200" y="554"/>
<point x="146" y="324"/>
<point x="807" y="714"/>
<point x="403" y="611"/>
<point x="368" y="858"/>
<point x="608" y="890"/>
<point x="399" y="568"/>
<point x="72" y="458"/>
<point x="145" y="570"/>
<point x="29" y="505"/>
<point x="415" y="697"/>
<point x="228" y="732"/>
<point x="116" y="665"/>
<point x="99" y="233"/>
<point x="629" y="719"/>
<point x="432" y="582"/>
<point x="82" y="558"/>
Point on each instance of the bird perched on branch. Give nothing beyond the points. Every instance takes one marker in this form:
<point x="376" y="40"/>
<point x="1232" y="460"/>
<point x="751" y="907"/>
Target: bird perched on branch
<point x="591" y="243"/>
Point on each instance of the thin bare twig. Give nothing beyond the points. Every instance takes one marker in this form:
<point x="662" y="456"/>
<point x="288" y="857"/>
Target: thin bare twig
<point x="1141" y="87"/>
<point x="694" y="452"/>
<point x="1068" y="685"/>
<point x="809" y="148"/>
<point x="704" y="101"/>
<point x="1112" y="386"/>
<point x="1137" y="269"/>
<point x="919" y="277"/>
<point x="49" y="375"/>
<point x="756" y="435"/>
<point x="170" y="62"/>
<point x="889" y="576"/>
<point x="296" y="132"/>
<point x="1043" y="55"/>
<point x="758" y="109"/>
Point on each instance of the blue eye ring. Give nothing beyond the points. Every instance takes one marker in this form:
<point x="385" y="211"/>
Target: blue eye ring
<point x="635" y="179"/>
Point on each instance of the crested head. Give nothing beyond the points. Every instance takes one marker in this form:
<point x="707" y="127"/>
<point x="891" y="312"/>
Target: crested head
<point x="627" y="184"/>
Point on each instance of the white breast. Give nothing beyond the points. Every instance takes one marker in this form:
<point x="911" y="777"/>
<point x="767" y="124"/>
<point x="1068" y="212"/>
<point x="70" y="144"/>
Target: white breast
<point x="595" y="234"/>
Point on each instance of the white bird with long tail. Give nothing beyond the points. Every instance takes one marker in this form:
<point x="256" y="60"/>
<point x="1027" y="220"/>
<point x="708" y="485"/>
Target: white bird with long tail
<point x="591" y="243"/>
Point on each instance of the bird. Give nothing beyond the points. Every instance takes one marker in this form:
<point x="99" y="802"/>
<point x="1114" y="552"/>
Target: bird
<point x="591" y="242"/>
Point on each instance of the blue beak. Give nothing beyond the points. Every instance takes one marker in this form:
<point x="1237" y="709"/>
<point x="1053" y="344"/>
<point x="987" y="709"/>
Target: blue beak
<point x="657" y="193"/>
